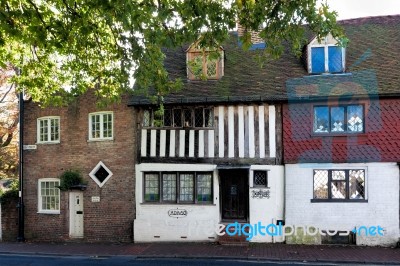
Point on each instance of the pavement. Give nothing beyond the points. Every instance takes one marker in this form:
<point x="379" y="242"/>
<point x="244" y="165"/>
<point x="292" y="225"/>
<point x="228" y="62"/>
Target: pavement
<point x="268" y="252"/>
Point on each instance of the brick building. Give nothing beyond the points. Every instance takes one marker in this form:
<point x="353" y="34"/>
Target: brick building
<point x="91" y="140"/>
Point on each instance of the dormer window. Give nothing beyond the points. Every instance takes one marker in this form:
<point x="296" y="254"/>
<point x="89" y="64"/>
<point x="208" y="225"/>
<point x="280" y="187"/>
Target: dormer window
<point x="325" y="56"/>
<point x="204" y="63"/>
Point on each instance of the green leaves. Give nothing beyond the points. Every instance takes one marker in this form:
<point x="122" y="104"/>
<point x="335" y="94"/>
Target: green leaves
<point x="64" y="47"/>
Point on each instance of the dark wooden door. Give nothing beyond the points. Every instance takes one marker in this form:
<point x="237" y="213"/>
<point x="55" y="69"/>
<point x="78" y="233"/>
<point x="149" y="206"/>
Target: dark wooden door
<point x="234" y="194"/>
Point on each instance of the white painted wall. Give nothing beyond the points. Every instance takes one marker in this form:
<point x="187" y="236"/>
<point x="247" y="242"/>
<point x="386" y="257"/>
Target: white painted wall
<point x="152" y="222"/>
<point x="382" y="208"/>
<point x="266" y="210"/>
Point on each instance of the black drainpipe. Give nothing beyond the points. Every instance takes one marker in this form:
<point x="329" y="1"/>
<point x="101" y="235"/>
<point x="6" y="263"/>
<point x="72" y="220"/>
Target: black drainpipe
<point x="20" y="205"/>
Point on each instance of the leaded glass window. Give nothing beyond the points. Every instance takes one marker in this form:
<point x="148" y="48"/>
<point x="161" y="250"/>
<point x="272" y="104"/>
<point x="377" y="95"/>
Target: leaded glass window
<point x="339" y="184"/>
<point x="355" y="118"/>
<point x="186" y="187"/>
<point x="169" y="187"/>
<point x="204" y="186"/>
<point x="176" y="187"/>
<point x="151" y="187"/>
<point x="146" y="118"/>
<point x="260" y="179"/>
<point x="338" y="119"/>
<point x="187" y="118"/>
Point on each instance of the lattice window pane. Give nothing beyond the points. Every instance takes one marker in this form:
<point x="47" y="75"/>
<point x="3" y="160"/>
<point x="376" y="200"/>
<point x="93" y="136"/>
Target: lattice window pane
<point x="320" y="184"/>
<point x="177" y="117"/>
<point x="169" y="187"/>
<point x="186" y="187"/>
<point x="197" y="66"/>
<point x="204" y="186"/>
<point x="198" y="117"/>
<point x="337" y="119"/>
<point x="208" y="117"/>
<point x="211" y="68"/>
<point x="260" y="178"/>
<point x="188" y="119"/>
<point x="357" y="184"/>
<point x="146" y="118"/>
<point x="338" y="175"/>
<point x="321" y="119"/>
<point x="167" y="117"/>
<point x="151" y="187"/>
<point x="338" y="189"/>
<point x="355" y="118"/>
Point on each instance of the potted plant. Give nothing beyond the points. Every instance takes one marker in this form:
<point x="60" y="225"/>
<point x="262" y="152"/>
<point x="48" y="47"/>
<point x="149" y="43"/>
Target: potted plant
<point x="72" y="179"/>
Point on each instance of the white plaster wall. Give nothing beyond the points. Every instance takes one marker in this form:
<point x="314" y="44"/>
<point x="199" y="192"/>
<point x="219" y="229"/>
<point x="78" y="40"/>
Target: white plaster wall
<point x="152" y="222"/>
<point x="267" y="210"/>
<point x="382" y="208"/>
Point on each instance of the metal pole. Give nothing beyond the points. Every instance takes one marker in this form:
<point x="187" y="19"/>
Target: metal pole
<point x="20" y="205"/>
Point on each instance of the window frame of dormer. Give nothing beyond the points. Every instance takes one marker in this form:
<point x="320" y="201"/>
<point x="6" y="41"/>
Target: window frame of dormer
<point x="326" y="46"/>
<point x="192" y="53"/>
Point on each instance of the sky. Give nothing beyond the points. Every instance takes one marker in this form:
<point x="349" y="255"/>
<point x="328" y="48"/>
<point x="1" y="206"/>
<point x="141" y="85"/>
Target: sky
<point x="364" y="8"/>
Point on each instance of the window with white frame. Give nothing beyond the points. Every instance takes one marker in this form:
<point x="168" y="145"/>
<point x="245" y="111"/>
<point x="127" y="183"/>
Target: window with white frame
<point x="178" y="187"/>
<point x="49" y="195"/>
<point x="48" y="129"/>
<point x="339" y="184"/>
<point x="101" y="126"/>
<point x="326" y="56"/>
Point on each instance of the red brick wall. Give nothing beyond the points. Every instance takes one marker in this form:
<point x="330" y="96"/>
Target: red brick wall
<point x="9" y="220"/>
<point x="111" y="218"/>
<point x="379" y="143"/>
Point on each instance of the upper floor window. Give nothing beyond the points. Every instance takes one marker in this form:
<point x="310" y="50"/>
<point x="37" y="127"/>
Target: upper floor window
<point x="49" y="195"/>
<point x="339" y="184"/>
<point x="48" y="129"/>
<point x="200" y="117"/>
<point x="339" y="119"/>
<point x="101" y="126"/>
<point x="325" y="56"/>
<point x="204" y="63"/>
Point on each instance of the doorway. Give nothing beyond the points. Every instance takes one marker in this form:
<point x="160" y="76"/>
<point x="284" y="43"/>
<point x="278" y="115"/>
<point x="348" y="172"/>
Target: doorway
<point x="76" y="214"/>
<point x="234" y="194"/>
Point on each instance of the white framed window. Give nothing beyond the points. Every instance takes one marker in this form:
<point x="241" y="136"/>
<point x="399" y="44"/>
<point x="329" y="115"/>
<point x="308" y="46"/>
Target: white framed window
<point x="49" y="195"/>
<point x="326" y="56"/>
<point x="101" y="126"/>
<point x="100" y="174"/>
<point x="48" y="129"/>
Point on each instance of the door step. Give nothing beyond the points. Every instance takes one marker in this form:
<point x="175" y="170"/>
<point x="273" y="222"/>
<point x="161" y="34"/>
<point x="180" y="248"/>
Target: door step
<point x="235" y="240"/>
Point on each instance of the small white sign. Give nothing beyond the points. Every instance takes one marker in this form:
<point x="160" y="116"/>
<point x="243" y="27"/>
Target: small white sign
<point x="30" y="147"/>
<point x="96" y="199"/>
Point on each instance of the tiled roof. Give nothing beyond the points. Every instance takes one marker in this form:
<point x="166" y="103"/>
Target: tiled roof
<point x="372" y="63"/>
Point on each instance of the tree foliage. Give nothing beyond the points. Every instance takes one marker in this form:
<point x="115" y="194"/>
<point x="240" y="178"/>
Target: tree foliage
<point x="8" y="125"/>
<point x="64" y="47"/>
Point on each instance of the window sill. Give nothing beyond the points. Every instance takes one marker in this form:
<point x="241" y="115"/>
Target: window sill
<point x="99" y="140"/>
<point x="48" y="142"/>
<point x="344" y="134"/>
<point x="176" y="204"/>
<point x="339" y="200"/>
<point x="48" y="212"/>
